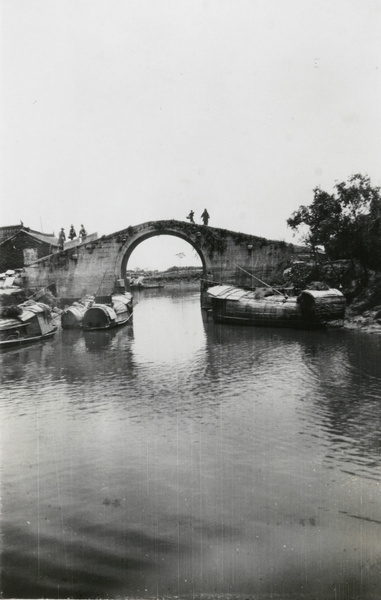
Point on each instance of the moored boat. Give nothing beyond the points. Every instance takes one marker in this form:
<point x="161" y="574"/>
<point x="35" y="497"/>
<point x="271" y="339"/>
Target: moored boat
<point x="26" y="323"/>
<point x="147" y="286"/>
<point x="311" y="309"/>
<point x="140" y="284"/>
<point x="108" y="315"/>
<point x="72" y="316"/>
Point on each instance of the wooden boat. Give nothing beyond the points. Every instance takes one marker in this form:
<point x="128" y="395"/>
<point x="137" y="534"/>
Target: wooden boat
<point x="28" y="322"/>
<point x="106" y="316"/>
<point x="147" y="286"/>
<point x="141" y="284"/>
<point x="72" y="316"/>
<point x="311" y="309"/>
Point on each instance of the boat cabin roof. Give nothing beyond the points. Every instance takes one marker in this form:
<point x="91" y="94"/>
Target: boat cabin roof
<point x="230" y="292"/>
<point x="124" y="298"/>
<point x="31" y="308"/>
<point x="105" y="308"/>
<point x="9" y="324"/>
<point x="323" y="293"/>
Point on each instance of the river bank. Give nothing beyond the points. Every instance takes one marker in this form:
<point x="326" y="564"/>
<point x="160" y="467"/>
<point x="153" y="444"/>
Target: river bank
<point x="367" y="320"/>
<point x="364" y="304"/>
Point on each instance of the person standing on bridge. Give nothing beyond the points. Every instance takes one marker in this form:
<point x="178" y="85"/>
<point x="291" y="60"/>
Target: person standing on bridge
<point x="82" y="233"/>
<point x="205" y="217"/>
<point x="72" y="233"/>
<point x="190" y="216"/>
<point x="61" y="239"/>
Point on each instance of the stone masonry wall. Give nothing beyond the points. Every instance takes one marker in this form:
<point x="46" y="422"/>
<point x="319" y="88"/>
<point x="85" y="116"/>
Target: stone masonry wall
<point x="265" y="260"/>
<point x="93" y="268"/>
<point x="87" y="269"/>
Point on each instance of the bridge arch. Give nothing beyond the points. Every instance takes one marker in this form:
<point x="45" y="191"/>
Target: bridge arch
<point x="140" y="236"/>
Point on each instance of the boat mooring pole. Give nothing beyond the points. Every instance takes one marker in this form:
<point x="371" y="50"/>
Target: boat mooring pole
<point x="260" y="281"/>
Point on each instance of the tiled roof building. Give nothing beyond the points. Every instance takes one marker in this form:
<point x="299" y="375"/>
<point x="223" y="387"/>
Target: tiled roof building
<point x="20" y="246"/>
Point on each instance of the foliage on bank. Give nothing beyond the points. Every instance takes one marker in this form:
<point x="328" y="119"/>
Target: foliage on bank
<point x="346" y="223"/>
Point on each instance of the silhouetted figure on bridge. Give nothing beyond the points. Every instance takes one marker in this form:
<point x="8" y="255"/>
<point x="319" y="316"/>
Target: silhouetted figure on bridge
<point x="72" y="233"/>
<point x="190" y="216"/>
<point x="82" y="233"/>
<point x="205" y="217"/>
<point x="61" y="239"/>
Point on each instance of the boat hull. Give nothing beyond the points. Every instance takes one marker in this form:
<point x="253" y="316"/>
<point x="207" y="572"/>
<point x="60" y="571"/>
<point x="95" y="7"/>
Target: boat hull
<point x="312" y="309"/>
<point x="95" y="322"/>
<point x="23" y="341"/>
<point x="146" y="287"/>
<point x="29" y="322"/>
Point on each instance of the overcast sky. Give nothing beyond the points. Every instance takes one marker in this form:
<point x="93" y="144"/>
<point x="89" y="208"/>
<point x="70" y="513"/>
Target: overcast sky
<point x="117" y="112"/>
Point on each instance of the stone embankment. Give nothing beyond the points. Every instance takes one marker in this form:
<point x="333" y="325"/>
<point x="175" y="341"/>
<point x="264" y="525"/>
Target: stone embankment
<point x="369" y="321"/>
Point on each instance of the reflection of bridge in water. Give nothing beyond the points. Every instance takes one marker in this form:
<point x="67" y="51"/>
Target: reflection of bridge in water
<point x="94" y="266"/>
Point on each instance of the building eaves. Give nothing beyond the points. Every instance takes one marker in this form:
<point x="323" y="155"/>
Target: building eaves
<point x="40" y="237"/>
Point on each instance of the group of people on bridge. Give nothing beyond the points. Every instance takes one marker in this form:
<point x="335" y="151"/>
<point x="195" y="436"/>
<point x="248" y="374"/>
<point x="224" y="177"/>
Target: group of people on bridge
<point x="83" y="233"/>
<point x="72" y="235"/>
<point x="205" y="217"/>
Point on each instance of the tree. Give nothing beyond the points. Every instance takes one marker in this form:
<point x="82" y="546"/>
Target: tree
<point x="346" y="223"/>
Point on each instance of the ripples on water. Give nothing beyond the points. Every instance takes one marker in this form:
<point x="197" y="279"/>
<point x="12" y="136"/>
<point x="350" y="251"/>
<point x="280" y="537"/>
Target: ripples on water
<point x="179" y="457"/>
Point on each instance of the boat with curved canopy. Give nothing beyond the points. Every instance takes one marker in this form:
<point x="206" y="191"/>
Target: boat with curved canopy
<point x="108" y="315"/>
<point x="311" y="309"/>
<point x="72" y="316"/>
<point x="26" y="323"/>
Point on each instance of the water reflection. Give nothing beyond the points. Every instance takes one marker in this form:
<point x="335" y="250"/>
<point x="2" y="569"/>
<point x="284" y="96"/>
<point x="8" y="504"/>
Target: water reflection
<point x="117" y="338"/>
<point x="344" y="402"/>
<point x="169" y="333"/>
<point x="176" y="457"/>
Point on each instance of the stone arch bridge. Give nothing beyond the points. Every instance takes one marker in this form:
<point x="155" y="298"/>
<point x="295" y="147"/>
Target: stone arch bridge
<point x="94" y="267"/>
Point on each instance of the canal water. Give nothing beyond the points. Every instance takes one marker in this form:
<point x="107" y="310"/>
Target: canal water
<point x="177" y="458"/>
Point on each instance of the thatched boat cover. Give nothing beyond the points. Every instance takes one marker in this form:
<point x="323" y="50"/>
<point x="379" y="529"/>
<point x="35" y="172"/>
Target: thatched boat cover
<point x="8" y="324"/>
<point x="34" y="321"/>
<point x="107" y="310"/>
<point x="311" y="307"/>
<point x="120" y="302"/>
<point x="325" y="304"/>
<point x="102" y="316"/>
<point x="323" y="294"/>
<point x="229" y="292"/>
<point x="77" y="309"/>
<point x="30" y="308"/>
<point x="73" y="315"/>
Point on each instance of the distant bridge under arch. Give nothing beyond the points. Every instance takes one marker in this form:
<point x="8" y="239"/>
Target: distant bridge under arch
<point x="93" y="267"/>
